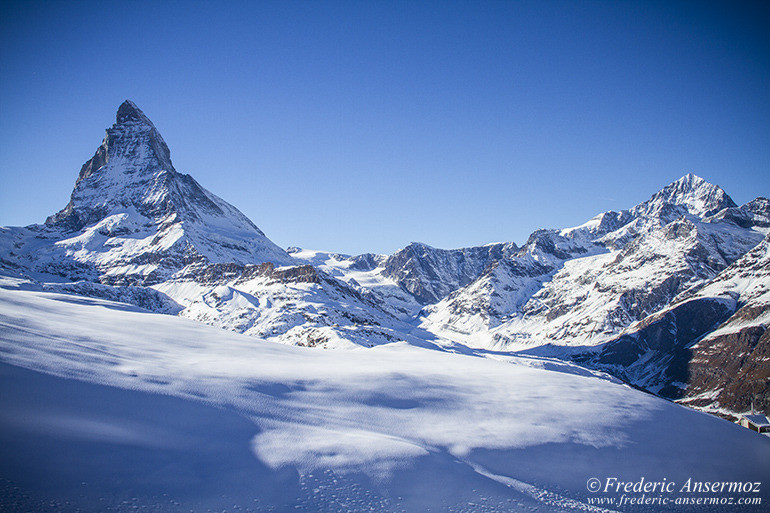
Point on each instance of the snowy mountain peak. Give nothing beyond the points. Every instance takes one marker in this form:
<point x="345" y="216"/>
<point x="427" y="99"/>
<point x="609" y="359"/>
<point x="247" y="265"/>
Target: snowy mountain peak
<point x="128" y="112"/>
<point x="697" y="196"/>
<point x="691" y="180"/>
<point x="130" y="190"/>
<point x="131" y="168"/>
<point x="760" y="205"/>
<point x="694" y="185"/>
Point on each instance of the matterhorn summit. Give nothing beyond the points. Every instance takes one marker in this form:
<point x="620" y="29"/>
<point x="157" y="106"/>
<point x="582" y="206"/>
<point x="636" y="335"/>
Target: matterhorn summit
<point x="133" y="219"/>
<point x="132" y="168"/>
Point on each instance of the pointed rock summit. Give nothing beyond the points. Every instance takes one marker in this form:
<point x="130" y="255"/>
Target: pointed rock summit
<point x="131" y="186"/>
<point x="132" y="167"/>
<point x="701" y="197"/>
<point x="129" y="112"/>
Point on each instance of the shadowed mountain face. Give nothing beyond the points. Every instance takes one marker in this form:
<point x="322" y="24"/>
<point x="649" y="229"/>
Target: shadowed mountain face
<point x="430" y="274"/>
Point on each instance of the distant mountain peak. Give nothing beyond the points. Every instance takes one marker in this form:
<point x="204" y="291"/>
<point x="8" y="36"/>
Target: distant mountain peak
<point x="696" y="195"/>
<point x="690" y="183"/>
<point x="700" y="196"/>
<point x="692" y="179"/>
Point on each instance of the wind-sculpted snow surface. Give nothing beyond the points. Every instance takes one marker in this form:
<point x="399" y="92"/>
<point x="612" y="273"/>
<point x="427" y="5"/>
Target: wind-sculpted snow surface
<point x="392" y="428"/>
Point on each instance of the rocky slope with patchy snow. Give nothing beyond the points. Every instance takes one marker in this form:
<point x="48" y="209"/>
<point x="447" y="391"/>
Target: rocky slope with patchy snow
<point x="708" y="349"/>
<point x="430" y="274"/>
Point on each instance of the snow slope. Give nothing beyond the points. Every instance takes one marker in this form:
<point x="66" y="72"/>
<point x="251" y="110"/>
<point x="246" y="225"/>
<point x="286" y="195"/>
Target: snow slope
<point x="392" y="428"/>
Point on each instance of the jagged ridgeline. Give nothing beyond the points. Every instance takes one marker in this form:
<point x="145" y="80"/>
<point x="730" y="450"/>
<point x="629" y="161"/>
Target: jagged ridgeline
<point x="671" y="294"/>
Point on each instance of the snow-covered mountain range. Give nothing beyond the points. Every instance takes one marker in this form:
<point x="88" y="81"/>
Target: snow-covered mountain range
<point x="667" y="294"/>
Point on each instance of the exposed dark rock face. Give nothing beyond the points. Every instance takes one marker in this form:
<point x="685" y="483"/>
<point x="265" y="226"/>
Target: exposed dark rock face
<point x="366" y="262"/>
<point x="754" y="213"/>
<point x="213" y="274"/>
<point x="299" y="274"/>
<point x="551" y="243"/>
<point x="658" y="351"/>
<point x="732" y="371"/>
<point x="430" y="274"/>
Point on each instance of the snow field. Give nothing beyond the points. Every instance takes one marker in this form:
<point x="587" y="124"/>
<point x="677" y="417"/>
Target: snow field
<point x="431" y="427"/>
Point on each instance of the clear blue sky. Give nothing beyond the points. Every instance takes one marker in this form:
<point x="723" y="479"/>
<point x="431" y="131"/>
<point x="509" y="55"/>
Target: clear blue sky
<point x="361" y="126"/>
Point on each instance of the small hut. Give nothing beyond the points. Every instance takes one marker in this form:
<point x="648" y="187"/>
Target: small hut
<point x="758" y="423"/>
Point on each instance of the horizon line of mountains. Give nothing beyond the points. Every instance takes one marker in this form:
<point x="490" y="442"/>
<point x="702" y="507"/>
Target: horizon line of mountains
<point x="671" y="295"/>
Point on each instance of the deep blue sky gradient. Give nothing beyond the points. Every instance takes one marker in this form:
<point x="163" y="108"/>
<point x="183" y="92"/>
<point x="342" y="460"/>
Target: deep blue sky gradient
<point x="361" y="126"/>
